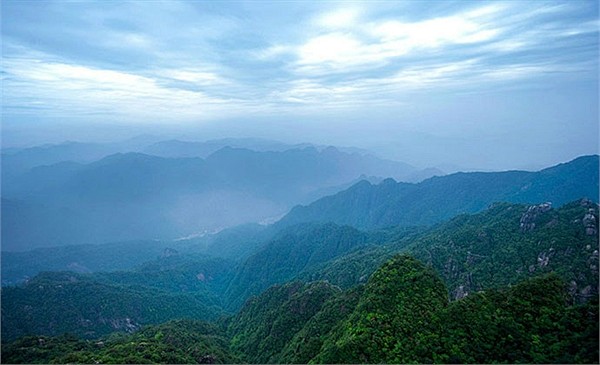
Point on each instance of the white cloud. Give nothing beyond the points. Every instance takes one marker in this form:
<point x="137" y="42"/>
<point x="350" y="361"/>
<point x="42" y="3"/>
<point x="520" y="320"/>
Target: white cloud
<point x="376" y="43"/>
<point x="341" y="18"/>
<point x="333" y="47"/>
<point x="69" y="89"/>
<point x="198" y="77"/>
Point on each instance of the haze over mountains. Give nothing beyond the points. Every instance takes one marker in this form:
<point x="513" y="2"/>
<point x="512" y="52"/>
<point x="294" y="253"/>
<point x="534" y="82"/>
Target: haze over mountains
<point x="76" y="193"/>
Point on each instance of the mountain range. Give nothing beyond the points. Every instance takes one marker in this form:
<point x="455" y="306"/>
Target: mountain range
<point x="128" y="196"/>
<point x="436" y="199"/>
<point x="478" y="267"/>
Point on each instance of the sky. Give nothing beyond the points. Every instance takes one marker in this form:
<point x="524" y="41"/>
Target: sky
<point x="494" y="85"/>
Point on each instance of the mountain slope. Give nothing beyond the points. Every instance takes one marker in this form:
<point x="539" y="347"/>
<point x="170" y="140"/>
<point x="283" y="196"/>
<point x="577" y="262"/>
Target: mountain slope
<point x="500" y="246"/>
<point x="289" y="253"/>
<point x="403" y="317"/>
<point x="174" y="342"/>
<point x="440" y="198"/>
<point x="57" y="303"/>
<point x="508" y="243"/>
<point x="267" y="322"/>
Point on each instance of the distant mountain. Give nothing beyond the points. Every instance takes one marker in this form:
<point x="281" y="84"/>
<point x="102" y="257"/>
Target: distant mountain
<point x="18" y="267"/>
<point x="15" y="162"/>
<point x="129" y="196"/>
<point x="436" y="199"/>
<point x="176" y="148"/>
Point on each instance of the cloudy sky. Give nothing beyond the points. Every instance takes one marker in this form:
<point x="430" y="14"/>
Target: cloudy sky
<point x="497" y="84"/>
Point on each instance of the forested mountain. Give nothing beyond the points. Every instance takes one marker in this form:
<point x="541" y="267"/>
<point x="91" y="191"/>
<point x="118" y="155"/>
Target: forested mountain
<point x="389" y="203"/>
<point x="293" y="250"/>
<point x="403" y="316"/>
<point x="18" y="267"/>
<point x="65" y="302"/>
<point x="500" y="246"/>
<point x="174" y="342"/>
<point x="128" y="196"/>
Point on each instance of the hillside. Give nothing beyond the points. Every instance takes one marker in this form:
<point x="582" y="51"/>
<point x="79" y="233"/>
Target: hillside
<point x="174" y="342"/>
<point x="500" y="246"/>
<point x="267" y="322"/>
<point x="63" y="302"/>
<point x="404" y="317"/>
<point x="367" y="206"/>
<point x="293" y="250"/>
<point x="401" y="315"/>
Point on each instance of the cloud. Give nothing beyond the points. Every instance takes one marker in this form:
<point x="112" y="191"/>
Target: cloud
<point x="74" y="89"/>
<point x="346" y="17"/>
<point x="191" y="60"/>
<point x="379" y="42"/>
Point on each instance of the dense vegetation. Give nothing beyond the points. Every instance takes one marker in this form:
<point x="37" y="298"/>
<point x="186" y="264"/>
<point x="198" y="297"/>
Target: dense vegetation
<point x="175" y="342"/>
<point x="402" y="315"/>
<point x="266" y="323"/>
<point x="290" y="252"/>
<point x="62" y="302"/>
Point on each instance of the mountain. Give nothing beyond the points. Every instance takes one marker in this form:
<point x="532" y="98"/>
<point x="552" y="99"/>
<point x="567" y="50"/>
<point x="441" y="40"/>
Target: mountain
<point x="18" y="267"/>
<point x="267" y="322"/>
<point x="500" y="246"/>
<point x="128" y="196"/>
<point x="65" y="302"/>
<point x="293" y="250"/>
<point x="173" y="342"/>
<point x="176" y="149"/>
<point x="439" y="198"/>
<point x="404" y="316"/>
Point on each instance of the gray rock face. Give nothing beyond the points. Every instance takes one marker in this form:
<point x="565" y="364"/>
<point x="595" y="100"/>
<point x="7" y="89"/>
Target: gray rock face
<point x="460" y="293"/>
<point x="589" y="222"/>
<point x="527" y="222"/>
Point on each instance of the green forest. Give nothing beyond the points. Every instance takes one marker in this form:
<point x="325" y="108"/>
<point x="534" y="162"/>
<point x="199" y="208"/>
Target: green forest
<point x="513" y="284"/>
